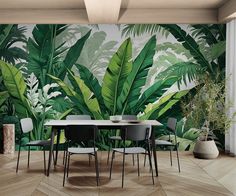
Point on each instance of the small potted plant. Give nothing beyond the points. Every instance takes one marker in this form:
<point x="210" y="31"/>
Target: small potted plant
<point x="210" y="113"/>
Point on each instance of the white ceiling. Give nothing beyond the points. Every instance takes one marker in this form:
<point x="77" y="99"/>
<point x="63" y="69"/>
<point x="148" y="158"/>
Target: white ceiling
<point x="127" y="4"/>
<point x="116" y="11"/>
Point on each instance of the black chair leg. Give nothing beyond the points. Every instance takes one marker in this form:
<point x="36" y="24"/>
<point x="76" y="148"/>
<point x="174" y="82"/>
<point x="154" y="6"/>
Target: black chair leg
<point x="177" y="153"/>
<point x="138" y="164"/>
<point x="123" y="170"/>
<point x="68" y="165"/>
<point x="96" y="167"/>
<point x="150" y="163"/>
<point x="44" y="160"/>
<point x="28" y="156"/>
<point x="108" y="153"/>
<point x="145" y="155"/>
<point x="170" y="156"/>
<point x="64" y="154"/>
<point x="112" y="158"/>
<point x="133" y="159"/>
<point x="64" y="177"/>
<point x="18" y="159"/>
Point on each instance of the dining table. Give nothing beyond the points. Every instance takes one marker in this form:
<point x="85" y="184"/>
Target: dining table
<point x="58" y="125"/>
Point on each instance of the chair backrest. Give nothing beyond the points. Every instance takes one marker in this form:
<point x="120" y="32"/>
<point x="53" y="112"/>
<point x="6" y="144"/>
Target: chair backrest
<point x="136" y="132"/>
<point x="171" y="124"/>
<point x="78" y="117"/>
<point x="129" y="117"/>
<point x="26" y="125"/>
<point x="80" y="133"/>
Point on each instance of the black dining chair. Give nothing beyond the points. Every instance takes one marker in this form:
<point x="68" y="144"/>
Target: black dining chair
<point x="27" y="128"/>
<point x="112" y="139"/>
<point x="76" y="117"/>
<point x="169" y="144"/>
<point x="136" y="133"/>
<point x="87" y="135"/>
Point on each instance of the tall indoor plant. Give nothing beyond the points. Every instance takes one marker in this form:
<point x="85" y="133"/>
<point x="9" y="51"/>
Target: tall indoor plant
<point x="208" y="109"/>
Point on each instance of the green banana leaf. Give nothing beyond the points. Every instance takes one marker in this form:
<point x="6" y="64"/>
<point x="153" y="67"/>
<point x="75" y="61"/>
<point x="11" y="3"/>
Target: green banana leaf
<point x="188" y="42"/>
<point x="42" y="51"/>
<point x="73" y="55"/>
<point x="88" y="99"/>
<point x="154" y="92"/>
<point x="3" y="96"/>
<point x="92" y="83"/>
<point x="137" y="78"/>
<point x="151" y="108"/>
<point x="117" y="71"/>
<point x="76" y="98"/>
<point x="16" y="87"/>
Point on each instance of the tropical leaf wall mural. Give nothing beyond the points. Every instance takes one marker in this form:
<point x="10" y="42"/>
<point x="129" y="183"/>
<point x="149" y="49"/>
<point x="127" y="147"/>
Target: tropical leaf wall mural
<point x="50" y="71"/>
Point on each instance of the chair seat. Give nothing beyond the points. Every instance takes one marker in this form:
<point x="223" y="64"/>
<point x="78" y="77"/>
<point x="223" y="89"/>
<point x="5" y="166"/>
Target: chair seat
<point x="163" y="143"/>
<point x="77" y="150"/>
<point x="39" y="143"/>
<point x="130" y="150"/>
<point x="115" y="138"/>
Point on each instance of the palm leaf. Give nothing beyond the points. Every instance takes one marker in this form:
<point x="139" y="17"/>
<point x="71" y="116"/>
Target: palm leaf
<point x="140" y="29"/>
<point x="118" y="70"/>
<point x="185" y="71"/>
<point x="92" y="83"/>
<point x="189" y="43"/>
<point x="137" y="78"/>
<point x="4" y="32"/>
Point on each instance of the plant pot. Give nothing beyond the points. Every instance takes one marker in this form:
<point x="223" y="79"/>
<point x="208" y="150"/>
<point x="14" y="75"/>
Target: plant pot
<point x="205" y="150"/>
<point x="8" y="138"/>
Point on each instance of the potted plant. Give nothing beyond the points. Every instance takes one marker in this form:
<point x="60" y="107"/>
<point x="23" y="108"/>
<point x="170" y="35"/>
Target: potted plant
<point x="208" y="109"/>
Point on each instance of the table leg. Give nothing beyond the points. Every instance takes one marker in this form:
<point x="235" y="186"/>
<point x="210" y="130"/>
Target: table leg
<point x="154" y="150"/>
<point x="51" y="150"/>
<point x="57" y="144"/>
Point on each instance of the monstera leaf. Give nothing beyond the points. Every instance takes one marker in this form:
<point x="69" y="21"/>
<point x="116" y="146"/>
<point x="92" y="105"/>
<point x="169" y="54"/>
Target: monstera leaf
<point x="137" y="78"/>
<point x="117" y="71"/>
<point x="16" y="87"/>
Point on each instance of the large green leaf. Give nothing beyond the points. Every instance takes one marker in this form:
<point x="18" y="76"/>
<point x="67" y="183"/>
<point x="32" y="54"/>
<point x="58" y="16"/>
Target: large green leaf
<point x="76" y="98"/>
<point x="3" y="96"/>
<point x="118" y="70"/>
<point x="154" y="92"/>
<point x="88" y="99"/>
<point x="137" y="78"/>
<point x="4" y="32"/>
<point x="16" y="87"/>
<point x="42" y="51"/>
<point x="92" y="83"/>
<point x="73" y="55"/>
<point x="188" y="42"/>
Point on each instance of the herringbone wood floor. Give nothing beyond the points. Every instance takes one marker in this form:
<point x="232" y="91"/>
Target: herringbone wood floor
<point x="198" y="177"/>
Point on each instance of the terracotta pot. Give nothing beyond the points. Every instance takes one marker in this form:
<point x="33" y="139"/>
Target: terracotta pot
<point x="205" y="150"/>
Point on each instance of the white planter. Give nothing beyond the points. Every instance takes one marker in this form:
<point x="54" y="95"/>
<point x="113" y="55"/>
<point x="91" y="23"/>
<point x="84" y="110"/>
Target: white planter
<point x="205" y="150"/>
<point x="8" y="138"/>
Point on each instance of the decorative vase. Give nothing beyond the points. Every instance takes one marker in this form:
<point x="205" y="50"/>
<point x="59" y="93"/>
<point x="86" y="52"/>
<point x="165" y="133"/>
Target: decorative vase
<point x="205" y="149"/>
<point x="8" y="138"/>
